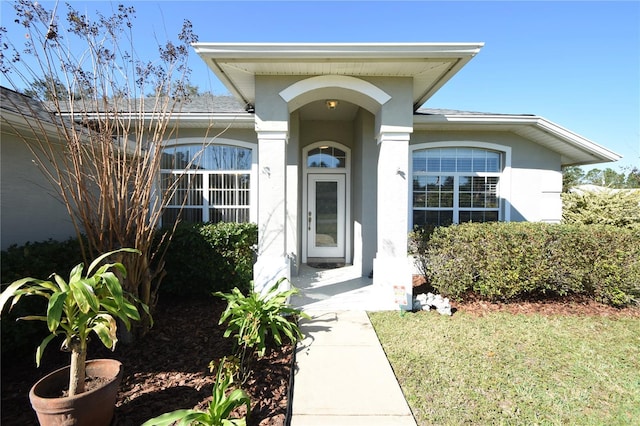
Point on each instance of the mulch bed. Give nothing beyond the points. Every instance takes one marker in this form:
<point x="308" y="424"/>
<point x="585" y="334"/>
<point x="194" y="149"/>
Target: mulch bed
<point x="164" y="371"/>
<point x="551" y="306"/>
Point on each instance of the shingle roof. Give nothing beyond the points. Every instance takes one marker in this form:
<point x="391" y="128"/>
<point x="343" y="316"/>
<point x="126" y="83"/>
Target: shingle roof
<point x="445" y="111"/>
<point x="212" y="103"/>
<point x="19" y="103"/>
<point x="24" y="105"/>
<point x="196" y="104"/>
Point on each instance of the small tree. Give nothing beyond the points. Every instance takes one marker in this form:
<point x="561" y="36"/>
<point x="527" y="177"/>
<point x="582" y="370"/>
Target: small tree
<point x="633" y="177"/>
<point x="571" y="176"/>
<point x="108" y="116"/>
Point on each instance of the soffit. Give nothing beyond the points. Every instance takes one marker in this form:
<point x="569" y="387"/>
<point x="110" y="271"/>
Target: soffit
<point x="430" y="65"/>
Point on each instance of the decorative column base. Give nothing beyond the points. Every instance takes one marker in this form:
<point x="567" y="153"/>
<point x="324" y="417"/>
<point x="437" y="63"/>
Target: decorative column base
<point x="394" y="276"/>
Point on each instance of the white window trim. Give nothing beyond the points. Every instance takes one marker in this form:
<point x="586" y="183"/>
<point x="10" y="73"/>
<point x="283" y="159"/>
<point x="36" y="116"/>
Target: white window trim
<point x="504" y="184"/>
<point x="253" y="172"/>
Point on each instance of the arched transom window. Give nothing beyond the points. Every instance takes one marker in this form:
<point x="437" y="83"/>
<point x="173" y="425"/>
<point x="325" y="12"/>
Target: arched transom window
<point x="326" y="156"/>
<point x="206" y="184"/>
<point x="455" y="185"/>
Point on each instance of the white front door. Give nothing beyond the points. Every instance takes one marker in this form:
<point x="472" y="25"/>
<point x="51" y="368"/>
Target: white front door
<point x="326" y="215"/>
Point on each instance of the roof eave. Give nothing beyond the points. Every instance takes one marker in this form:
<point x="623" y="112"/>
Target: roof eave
<point x="215" y="53"/>
<point x="593" y="152"/>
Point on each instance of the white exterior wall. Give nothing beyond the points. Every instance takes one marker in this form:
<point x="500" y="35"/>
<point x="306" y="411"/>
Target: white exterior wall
<point x="30" y="208"/>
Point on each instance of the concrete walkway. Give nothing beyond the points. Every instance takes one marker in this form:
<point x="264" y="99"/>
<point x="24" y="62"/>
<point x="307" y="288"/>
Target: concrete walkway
<point x="342" y="375"/>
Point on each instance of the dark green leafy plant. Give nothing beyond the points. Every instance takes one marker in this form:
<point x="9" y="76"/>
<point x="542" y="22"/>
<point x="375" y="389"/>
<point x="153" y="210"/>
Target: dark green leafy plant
<point x="516" y="261"/>
<point x="203" y="258"/>
<point x="220" y="407"/>
<point x="188" y="263"/>
<point x="253" y="319"/>
<point x="88" y="302"/>
<point x="233" y="258"/>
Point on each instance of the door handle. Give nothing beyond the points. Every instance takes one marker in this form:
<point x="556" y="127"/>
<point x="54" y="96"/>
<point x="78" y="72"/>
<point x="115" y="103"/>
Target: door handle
<point x="309" y="220"/>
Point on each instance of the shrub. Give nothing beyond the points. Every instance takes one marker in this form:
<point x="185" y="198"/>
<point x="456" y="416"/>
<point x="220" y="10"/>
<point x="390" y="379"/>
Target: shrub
<point x="203" y="258"/>
<point x="187" y="263"/>
<point x="512" y="261"/>
<point x="234" y="254"/>
<point x="608" y="207"/>
<point x="418" y="246"/>
<point x="39" y="259"/>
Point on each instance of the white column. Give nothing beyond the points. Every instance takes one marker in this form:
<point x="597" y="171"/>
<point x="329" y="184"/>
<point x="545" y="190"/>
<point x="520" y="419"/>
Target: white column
<point x="391" y="268"/>
<point x="273" y="262"/>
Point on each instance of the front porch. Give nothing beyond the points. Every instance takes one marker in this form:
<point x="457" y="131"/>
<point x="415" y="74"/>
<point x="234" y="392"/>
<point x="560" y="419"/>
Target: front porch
<point x="340" y="289"/>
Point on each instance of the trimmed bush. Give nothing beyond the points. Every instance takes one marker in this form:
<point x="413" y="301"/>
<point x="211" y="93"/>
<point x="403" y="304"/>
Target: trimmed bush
<point x="234" y="245"/>
<point x="39" y="259"/>
<point x="516" y="261"/>
<point x="204" y="258"/>
<point x="187" y="263"/>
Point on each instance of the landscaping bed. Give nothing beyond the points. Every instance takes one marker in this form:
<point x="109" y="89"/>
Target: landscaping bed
<point x="552" y="306"/>
<point x="164" y="371"/>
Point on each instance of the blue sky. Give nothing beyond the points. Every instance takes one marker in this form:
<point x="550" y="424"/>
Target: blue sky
<point x="574" y="63"/>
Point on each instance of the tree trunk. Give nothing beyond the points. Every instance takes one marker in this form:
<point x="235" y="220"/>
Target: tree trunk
<point x="77" y="371"/>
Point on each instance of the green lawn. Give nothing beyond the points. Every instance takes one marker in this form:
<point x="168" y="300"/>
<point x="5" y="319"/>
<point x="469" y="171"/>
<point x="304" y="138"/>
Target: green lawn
<point x="515" y="369"/>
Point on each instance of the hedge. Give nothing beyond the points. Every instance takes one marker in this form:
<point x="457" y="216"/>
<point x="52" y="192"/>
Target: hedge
<point x="203" y="258"/>
<point x="518" y="261"/>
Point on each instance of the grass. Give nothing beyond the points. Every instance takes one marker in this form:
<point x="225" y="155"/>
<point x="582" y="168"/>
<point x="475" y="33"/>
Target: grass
<point x="515" y="369"/>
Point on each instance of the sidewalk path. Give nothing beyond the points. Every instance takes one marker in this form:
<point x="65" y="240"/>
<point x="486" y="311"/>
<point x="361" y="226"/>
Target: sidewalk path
<point x="342" y="375"/>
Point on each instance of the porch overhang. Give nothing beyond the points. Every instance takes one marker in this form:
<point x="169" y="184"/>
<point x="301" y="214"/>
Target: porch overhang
<point x="573" y="148"/>
<point x="430" y="65"/>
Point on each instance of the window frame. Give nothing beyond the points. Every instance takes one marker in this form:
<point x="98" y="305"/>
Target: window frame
<point x="503" y="187"/>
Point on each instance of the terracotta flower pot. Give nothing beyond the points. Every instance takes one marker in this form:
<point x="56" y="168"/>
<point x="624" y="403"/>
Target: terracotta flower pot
<point x="92" y="408"/>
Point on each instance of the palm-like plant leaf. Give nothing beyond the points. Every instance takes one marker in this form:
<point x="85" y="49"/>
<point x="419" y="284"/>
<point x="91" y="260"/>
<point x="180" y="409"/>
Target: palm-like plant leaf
<point x="105" y="327"/>
<point x="82" y="291"/>
<point x="54" y="310"/>
<point x="113" y="285"/>
<point x="171" y="418"/>
<point x="41" y="347"/>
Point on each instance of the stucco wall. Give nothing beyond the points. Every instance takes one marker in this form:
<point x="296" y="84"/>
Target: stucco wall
<point x="364" y="198"/>
<point x="336" y="131"/>
<point x="536" y="177"/>
<point x="30" y="210"/>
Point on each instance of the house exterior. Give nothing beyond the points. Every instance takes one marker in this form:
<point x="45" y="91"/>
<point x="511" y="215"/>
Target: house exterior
<point x="327" y="148"/>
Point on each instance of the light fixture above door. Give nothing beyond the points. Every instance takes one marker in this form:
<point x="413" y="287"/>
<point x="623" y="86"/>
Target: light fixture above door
<point x="332" y="104"/>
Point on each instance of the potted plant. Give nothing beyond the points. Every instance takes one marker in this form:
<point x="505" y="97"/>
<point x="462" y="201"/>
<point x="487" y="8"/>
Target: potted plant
<point x="88" y="302"/>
